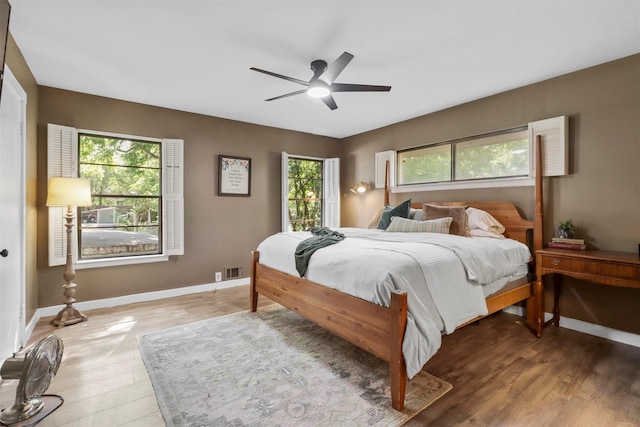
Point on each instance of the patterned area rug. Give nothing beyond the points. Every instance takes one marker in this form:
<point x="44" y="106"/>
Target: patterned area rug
<point x="273" y="368"/>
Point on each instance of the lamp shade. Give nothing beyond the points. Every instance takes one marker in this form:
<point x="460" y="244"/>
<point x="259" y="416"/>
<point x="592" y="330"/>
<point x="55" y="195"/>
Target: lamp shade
<point x="69" y="192"/>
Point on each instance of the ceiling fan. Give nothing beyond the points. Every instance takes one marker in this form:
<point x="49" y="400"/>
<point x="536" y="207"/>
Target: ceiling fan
<point x="322" y="85"/>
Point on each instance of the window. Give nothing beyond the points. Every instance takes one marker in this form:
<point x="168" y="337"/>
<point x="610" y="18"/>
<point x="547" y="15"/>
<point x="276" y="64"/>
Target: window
<point x="137" y="203"/>
<point x="304" y="193"/>
<point x="310" y="193"/>
<point x="427" y="164"/>
<point x="497" y="155"/>
<point x="125" y="216"/>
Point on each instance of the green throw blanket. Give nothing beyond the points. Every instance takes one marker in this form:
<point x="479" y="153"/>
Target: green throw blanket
<point x="322" y="237"/>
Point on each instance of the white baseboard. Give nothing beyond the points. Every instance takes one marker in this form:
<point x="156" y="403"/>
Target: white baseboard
<point x="130" y="299"/>
<point x="587" y="328"/>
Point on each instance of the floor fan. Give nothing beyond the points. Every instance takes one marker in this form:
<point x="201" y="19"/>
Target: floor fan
<point x="35" y="371"/>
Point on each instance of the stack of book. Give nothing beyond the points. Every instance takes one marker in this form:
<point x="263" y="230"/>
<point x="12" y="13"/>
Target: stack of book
<point x="566" y="243"/>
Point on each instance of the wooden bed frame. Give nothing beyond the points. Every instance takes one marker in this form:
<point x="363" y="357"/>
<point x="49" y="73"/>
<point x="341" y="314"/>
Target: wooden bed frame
<point x="380" y="330"/>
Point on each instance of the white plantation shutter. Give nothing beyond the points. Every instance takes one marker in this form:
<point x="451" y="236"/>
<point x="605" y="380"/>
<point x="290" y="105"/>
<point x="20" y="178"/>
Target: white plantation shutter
<point x="380" y="167"/>
<point x="285" y="191"/>
<point x="331" y="189"/>
<point x="555" y="145"/>
<point x="173" y="196"/>
<point x="62" y="160"/>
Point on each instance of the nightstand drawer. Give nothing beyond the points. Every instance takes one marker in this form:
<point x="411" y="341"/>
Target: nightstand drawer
<point x="589" y="266"/>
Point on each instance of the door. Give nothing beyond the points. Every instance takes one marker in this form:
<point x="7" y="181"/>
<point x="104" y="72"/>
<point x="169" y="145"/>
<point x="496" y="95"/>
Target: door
<point x="310" y="192"/>
<point x="12" y="215"/>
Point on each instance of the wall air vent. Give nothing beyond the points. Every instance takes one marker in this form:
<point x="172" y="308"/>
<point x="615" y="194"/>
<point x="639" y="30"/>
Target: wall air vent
<point x="232" y="272"/>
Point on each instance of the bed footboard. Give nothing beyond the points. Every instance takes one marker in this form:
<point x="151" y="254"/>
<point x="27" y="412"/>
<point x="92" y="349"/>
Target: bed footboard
<point x="376" y="329"/>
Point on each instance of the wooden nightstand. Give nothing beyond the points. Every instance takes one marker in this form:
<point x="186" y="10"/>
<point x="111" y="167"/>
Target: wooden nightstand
<point x="604" y="267"/>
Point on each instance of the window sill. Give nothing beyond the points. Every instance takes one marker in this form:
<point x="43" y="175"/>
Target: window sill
<point x="466" y="185"/>
<point x="113" y="262"/>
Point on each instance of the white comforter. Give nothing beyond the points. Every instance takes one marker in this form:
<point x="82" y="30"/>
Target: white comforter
<point x="441" y="273"/>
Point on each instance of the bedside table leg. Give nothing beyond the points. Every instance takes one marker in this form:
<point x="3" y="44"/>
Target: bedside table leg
<point x="538" y="294"/>
<point x="557" y="283"/>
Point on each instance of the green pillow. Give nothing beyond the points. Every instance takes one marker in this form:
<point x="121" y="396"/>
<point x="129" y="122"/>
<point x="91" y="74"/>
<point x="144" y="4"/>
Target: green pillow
<point x="402" y="210"/>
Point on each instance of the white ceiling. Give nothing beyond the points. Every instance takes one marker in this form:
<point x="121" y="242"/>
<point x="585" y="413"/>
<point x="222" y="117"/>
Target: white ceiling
<point x="194" y="55"/>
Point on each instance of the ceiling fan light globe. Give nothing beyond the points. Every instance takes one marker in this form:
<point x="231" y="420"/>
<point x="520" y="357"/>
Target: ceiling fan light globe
<point x="318" y="91"/>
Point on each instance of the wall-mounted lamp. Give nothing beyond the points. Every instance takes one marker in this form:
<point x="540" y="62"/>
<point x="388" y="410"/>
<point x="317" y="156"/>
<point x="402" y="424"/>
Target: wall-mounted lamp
<point x="69" y="192"/>
<point x="360" y="187"/>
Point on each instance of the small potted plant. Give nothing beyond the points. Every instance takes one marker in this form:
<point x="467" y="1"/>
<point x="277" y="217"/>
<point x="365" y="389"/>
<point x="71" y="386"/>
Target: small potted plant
<point x="566" y="229"/>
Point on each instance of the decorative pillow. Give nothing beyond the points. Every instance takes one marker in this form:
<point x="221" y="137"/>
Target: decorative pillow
<point x="476" y="232"/>
<point x="456" y="212"/>
<point x="419" y="215"/>
<point x="440" y="225"/>
<point x="402" y="210"/>
<point x="483" y="220"/>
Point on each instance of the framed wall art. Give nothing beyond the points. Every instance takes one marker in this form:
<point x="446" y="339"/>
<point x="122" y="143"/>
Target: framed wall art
<point x="234" y="176"/>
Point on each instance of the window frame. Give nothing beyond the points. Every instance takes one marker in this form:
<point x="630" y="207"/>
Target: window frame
<point x="524" y="180"/>
<point x="316" y="199"/>
<point x="156" y="141"/>
<point x="452" y="181"/>
<point x="330" y="190"/>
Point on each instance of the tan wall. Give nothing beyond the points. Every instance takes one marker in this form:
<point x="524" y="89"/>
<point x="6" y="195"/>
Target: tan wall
<point x="219" y="231"/>
<point x="21" y="71"/>
<point x="601" y="195"/>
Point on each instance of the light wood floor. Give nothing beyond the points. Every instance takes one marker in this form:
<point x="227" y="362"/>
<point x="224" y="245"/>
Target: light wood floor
<point x="501" y="374"/>
<point x="102" y="377"/>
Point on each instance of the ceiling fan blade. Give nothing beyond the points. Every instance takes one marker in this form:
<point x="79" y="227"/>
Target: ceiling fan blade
<point x="280" y="76"/>
<point x="331" y="103"/>
<point x="336" y="68"/>
<point x="348" y="87"/>
<point x="286" y="95"/>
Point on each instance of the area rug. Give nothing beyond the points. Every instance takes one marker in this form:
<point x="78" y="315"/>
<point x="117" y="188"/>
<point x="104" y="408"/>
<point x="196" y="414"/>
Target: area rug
<point x="273" y="368"/>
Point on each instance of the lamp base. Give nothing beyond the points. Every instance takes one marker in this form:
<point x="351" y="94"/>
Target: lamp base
<point x="69" y="316"/>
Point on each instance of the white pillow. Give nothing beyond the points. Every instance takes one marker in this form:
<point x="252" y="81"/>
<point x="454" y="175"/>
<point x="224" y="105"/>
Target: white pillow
<point x="416" y="214"/>
<point x="477" y="219"/>
<point x="476" y="232"/>
<point x="404" y="225"/>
